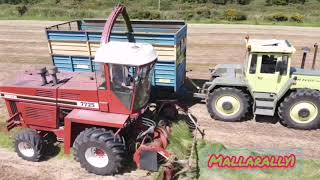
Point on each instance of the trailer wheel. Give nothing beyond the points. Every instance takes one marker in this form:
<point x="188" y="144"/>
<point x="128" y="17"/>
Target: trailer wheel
<point x="227" y="104"/>
<point x="169" y="111"/>
<point x="301" y="110"/>
<point x="99" y="152"/>
<point x="29" y="145"/>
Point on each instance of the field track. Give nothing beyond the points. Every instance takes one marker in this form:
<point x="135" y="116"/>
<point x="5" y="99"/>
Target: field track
<point x="23" y="46"/>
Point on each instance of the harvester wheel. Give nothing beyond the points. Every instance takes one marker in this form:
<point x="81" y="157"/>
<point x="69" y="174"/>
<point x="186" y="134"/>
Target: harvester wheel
<point x="227" y="104"/>
<point x="99" y="152"/>
<point x="29" y="145"/>
<point x="301" y="110"/>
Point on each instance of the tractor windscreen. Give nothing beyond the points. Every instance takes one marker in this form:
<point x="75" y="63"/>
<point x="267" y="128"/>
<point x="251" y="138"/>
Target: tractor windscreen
<point x="143" y="85"/>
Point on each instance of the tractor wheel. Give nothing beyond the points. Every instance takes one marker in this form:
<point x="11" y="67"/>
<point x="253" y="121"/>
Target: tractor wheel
<point x="99" y="152"/>
<point x="227" y="104"/>
<point x="29" y="145"/>
<point x="301" y="110"/>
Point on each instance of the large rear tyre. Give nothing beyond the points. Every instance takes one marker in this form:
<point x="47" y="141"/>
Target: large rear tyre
<point x="301" y="110"/>
<point x="227" y="104"/>
<point x="99" y="152"/>
<point x="29" y="145"/>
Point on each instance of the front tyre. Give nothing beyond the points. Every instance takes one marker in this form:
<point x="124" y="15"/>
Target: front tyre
<point x="301" y="110"/>
<point x="29" y="145"/>
<point x="99" y="152"/>
<point x="227" y="104"/>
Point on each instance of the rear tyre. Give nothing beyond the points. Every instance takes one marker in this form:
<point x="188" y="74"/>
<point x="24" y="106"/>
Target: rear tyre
<point x="99" y="152"/>
<point x="29" y="145"/>
<point x="301" y="110"/>
<point x="227" y="104"/>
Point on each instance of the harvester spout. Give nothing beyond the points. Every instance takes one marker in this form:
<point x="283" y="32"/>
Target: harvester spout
<point x="306" y="50"/>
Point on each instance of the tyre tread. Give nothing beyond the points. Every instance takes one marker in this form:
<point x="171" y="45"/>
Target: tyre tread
<point x="245" y="97"/>
<point x="101" y="135"/>
<point x="36" y="141"/>
<point x="300" y="93"/>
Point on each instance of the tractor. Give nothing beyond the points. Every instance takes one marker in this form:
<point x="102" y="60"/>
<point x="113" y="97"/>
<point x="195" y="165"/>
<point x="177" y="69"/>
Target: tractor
<point x="105" y="116"/>
<point x="266" y="85"/>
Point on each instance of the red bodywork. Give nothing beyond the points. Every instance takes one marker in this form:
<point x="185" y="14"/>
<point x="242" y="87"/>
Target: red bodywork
<point x="33" y="105"/>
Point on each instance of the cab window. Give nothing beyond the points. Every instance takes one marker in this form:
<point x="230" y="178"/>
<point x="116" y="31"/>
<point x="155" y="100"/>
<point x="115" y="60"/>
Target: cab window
<point x="253" y="64"/>
<point x="285" y="65"/>
<point x="100" y="75"/>
<point x="122" y="83"/>
<point x="268" y="64"/>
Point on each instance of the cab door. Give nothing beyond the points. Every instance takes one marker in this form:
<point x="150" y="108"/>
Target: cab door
<point x="103" y="84"/>
<point x="262" y="73"/>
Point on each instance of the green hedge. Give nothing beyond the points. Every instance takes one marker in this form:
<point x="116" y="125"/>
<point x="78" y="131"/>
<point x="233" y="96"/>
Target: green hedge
<point x="297" y="18"/>
<point x="284" y="2"/>
<point x="278" y="17"/>
<point x="234" y="15"/>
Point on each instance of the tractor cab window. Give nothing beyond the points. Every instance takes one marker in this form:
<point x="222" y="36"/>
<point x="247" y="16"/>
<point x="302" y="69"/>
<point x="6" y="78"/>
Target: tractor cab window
<point x="253" y="64"/>
<point x="268" y="64"/>
<point x="285" y="64"/>
<point x="122" y="82"/>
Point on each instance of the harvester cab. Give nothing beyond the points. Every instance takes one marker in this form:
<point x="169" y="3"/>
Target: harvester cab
<point x="124" y="72"/>
<point x="266" y="84"/>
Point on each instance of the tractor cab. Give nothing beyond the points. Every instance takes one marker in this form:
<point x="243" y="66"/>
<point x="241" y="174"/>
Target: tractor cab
<point x="268" y="64"/>
<point x="124" y="73"/>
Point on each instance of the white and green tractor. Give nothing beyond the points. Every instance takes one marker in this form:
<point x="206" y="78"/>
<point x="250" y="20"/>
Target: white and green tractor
<point x="265" y="84"/>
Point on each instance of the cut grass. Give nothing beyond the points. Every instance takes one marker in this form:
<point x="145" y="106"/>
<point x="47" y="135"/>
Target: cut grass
<point x="181" y="142"/>
<point x="6" y="141"/>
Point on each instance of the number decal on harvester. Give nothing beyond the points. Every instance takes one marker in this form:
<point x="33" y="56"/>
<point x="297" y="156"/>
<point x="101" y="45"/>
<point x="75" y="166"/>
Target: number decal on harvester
<point x="10" y="96"/>
<point x="88" y="104"/>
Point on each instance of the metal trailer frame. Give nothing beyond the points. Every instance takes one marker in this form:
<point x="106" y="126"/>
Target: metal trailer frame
<point x="72" y="46"/>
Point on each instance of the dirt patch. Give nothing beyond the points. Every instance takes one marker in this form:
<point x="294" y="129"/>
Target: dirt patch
<point x="12" y="167"/>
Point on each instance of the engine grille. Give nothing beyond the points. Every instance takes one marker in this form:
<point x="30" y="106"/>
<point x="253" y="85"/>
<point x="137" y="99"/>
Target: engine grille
<point x="45" y="93"/>
<point x="39" y="114"/>
<point x="67" y="95"/>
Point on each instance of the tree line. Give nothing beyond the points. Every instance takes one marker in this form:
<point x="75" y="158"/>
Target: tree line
<point x="221" y="2"/>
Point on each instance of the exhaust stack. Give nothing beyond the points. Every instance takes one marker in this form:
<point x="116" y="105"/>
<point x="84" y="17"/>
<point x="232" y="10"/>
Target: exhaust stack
<point x="43" y="71"/>
<point x="315" y="55"/>
<point x="53" y="72"/>
<point x="306" y="50"/>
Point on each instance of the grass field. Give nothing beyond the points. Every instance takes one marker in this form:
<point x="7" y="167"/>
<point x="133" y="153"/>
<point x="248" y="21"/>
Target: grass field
<point x="23" y="46"/>
<point x="257" y="12"/>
